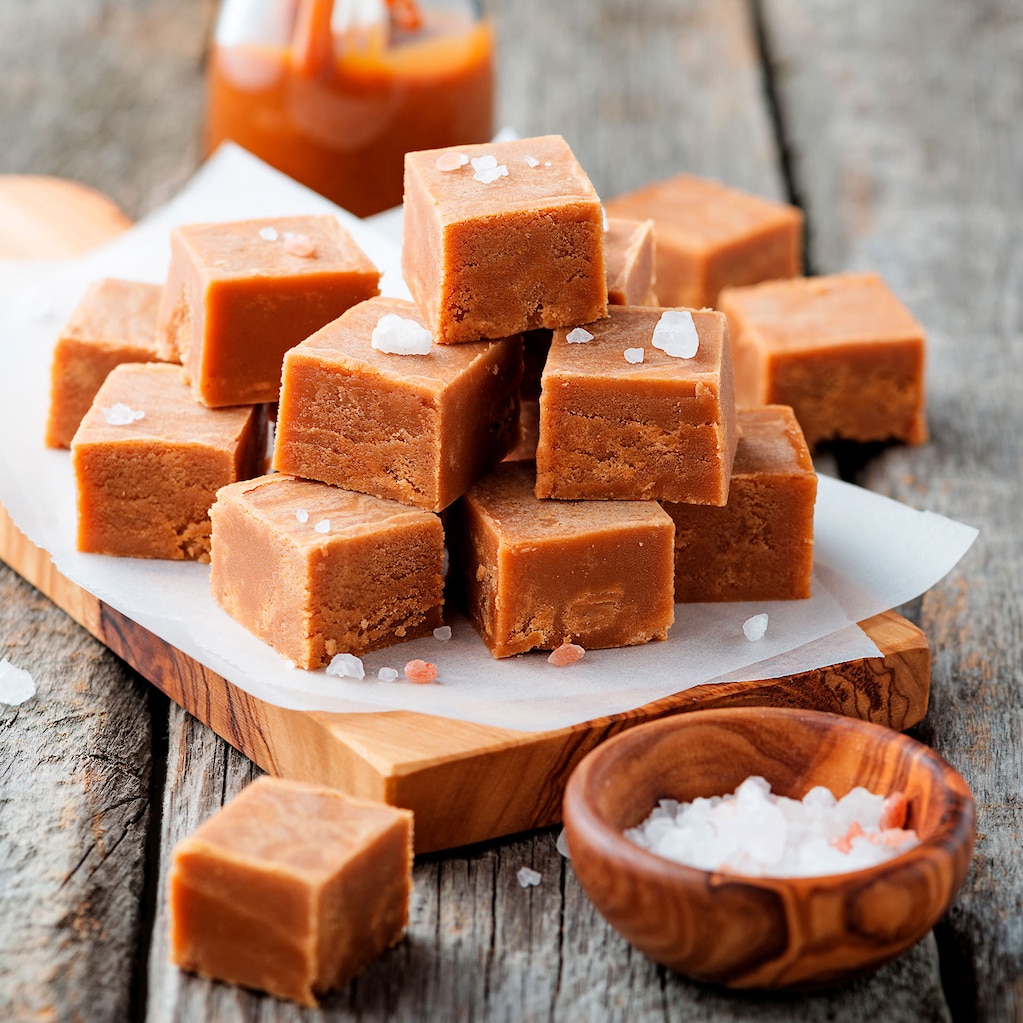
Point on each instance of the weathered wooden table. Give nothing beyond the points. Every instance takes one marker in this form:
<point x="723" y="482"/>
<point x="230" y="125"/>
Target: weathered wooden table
<point x="898" y="128"/>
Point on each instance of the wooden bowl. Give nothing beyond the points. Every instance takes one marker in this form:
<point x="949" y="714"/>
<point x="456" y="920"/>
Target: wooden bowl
<point x="762" y="932"/>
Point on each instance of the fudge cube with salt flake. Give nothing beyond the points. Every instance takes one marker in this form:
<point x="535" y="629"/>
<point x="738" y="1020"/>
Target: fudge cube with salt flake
<point x="316" y="571"/>
<point x="148" y="462"/>
<point x="639" y="406"/>
<point x="369" y="404"/>
<point x="501" y="238"/>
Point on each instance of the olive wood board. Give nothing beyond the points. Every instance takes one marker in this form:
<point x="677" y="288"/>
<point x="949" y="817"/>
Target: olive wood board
<point x="465" y="782"/>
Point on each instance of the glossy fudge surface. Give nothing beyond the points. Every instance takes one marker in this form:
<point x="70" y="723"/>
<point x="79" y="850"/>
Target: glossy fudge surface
<point x="661" y="429"/>
<point x="759" y="546"/>
<point x="145" y="486"/>
<point x="535" y="574"/>
<point x="629" y="254"/>
<point x="420" y="429"/>
<point x="114" y="322"/>
<point x="290" y="889"/>
<point x="710" y="236"/>
<point x="239" y="295"/>
<point x="842" y="350"/>
<point x="314" y="570"/>
<point x="487" y="259"/>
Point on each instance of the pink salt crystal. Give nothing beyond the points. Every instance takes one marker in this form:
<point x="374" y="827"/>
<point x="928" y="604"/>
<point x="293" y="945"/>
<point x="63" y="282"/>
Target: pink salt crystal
<point x="567" y="653"/>
<point x="844" y="844"/>
<point x="268" y="234"/>
<point x="300" y="245"/>
<point x="420" y="672"/>
<point x="893" y="815"/>
<point x="451" y="161"/>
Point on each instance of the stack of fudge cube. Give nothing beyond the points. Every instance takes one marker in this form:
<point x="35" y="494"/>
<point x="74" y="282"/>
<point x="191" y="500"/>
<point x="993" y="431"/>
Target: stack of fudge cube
<point x="556" y="407"/>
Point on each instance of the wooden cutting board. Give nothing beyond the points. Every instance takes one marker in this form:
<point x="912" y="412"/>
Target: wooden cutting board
<point x="465" y="782"/>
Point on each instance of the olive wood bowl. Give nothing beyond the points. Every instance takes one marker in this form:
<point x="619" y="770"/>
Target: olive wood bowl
<point x="764" y="932"/>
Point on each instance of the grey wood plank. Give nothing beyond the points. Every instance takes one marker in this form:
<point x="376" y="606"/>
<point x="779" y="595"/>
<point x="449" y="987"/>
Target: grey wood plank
<point x="74" y="809"/>
<point x="904" y="125"/>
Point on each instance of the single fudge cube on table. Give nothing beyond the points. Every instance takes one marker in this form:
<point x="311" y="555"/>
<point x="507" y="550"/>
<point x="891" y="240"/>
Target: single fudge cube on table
<point x="290" y="888"/>
<point x="314" y="570"/>
<point x="510" y="240"/>
<point x="629" y="254"/>
<point x="148" y="462"/>
<point x="759" y="546"/>
<point x="710" y="236"/>
<point x="841" y="350"/>
<point x="239" y="295"/>
<point x="420" y="429"/>
<point x="535" y="574"/>
<point x="621" y="419"/>
<point x="114" y="322"/>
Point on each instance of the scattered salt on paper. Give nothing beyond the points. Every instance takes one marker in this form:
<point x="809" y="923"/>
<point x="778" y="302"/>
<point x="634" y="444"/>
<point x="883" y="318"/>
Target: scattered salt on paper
<point x="442" y="632"/>
<point x="420" y="672"/>
<point x="302" y="515"/>
<point x="634" y="355"/>
<point x="567" y="653"/>
<point x="675" y="334"/>
<point x="300" y="245"/>
<point x="398" y="335"/>
<point x="387" y="674"/>
<point x="323" y="526"/>
<point x="120" y="414"/>
<point x="487" y="169"/>
<point x="755" y="628"/>
<point x="451" y="161"/>
<point x="16" y="684"/>
<point x="532" y="161"/>
<point x="268" y="234"/>
<point x="562" y="845"/>
<point x="756" y="833"/>
<point x="578" y="336"/>
<point x="528" y="878"/>
<point x="346" y="666"/>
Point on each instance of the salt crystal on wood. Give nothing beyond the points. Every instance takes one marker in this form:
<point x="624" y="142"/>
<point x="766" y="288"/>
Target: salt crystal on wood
<point x="755" y="628"/>
<point x="567" y="653"/>
<point x="451" y="161"/>
<point x="323" y="526"/>
<point x="528" y="878"/>
<point x="268" y="234"/>
<point x="16" y="684"/>
<point x="578" y="336"/>
<point x="675" y="334"/>
<point x="442" y="632"/>
<point x="634" y="355"/>
<point x="387" y="674"/>
<point x="398" y="335"/>
<point x="120" y="414"/>
<point x="300" y="245"/>
<point x="420" y="672"/>
<point x="346" y="666"/>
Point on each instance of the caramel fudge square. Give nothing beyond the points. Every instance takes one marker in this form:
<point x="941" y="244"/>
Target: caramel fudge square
<point x="710" y="236"/>
<point x="534" y="574"/>
<point x="290" y="888"/>
<point x="759" y="546"/>
<point x="148" y="462"/>
<point x="841" y="350"/>
<point x="622" y="419"/>
<point x="314" y="570"/>
<point x="420" y="429"/>
<point x="629" y="254"/>
<point x="239" y="295"/>
<point x="502" y="238"/>
<point x="114" y="322"/>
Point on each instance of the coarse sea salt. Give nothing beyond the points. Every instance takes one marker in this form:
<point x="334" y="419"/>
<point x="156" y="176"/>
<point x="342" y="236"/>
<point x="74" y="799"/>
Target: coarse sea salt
<point x="16" y="684"/>
<point x="442" y="632"/>
<point x="346" y="666"/>
<point x="675" y="334"/>
<point x="487" y="169"/>
<point x="300" y="245"/>
<point x="387" y="674"/>
<point x="323" y="526"/>
<point x="578" y="336"/>
<point x="567" y="653"/>
<point x="755" y="627"/>
<point x="757" y="833"/>
<point x="420" y="672"/>
<point x="302" y="515"/>
<point x="532" y="161"/>
<point x="451" y="161"/>
<point x="634" y="355"/>
<point x="562" y="845"/>
<point x="120" y="414"/>
<point x="268" y="234"/>
<point x="398" y="335"/>
<point x="528" y="878"/>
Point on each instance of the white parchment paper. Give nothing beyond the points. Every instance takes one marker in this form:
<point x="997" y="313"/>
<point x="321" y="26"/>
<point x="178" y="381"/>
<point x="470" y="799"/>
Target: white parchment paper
<point x="872" y="553"/>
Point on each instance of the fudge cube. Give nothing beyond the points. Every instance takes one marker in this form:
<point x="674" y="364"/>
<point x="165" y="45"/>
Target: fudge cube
<point x="148" y="462"/>
<point x="314" y="570"/>
<point x="420" y="429"/>
<point x="629" y="255"/>
<point x="239" y="295"/>
<point x="710" y="236"/>
<point x="841" y="350"/>
<point x="759" y="546"/>
<point x="290" y="889"/>
<point x="621" y="419"/>
<point x="510" y="240"/>
<point x="114" y="322"/>
<point x="534" y="574"/>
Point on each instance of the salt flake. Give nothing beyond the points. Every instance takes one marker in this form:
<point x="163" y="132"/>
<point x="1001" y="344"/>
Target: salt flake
<point x="300" y="245"/>
<point x="532" y="161"/>
<point x="675" y="334"/>
<point x="398" y="335"/>
<point x="451" y="161"/>
<point x="487" y="169"/>
<point x="755" y="628"/>
<point x="120" y="414"/>
<point x="323" y="526"/>
<point x="528" y="878"/>
<point x="634" y="355"/>
<point x="302" y="515"/>
<point x="578" y="336"/>
<point x="387" y="674"/>
<point x="16" y="684"/>
<point x="268" y="234"/>
<point x="346" y="666"/>
<point x="443" y="633"/>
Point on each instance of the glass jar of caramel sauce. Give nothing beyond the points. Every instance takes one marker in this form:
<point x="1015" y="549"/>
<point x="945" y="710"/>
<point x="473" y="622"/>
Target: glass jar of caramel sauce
<point x="335" y="92"/>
